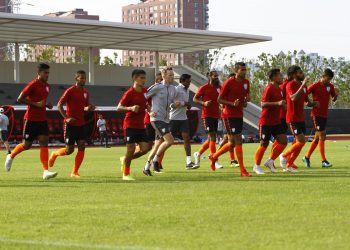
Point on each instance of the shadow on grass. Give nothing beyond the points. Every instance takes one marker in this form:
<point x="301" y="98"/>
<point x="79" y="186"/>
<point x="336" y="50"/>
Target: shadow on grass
<point x="181" y="177"/>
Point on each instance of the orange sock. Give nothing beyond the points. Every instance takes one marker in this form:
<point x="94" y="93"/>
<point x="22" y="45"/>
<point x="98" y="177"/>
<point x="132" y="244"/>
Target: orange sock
<point x="290" y="150"/>
<point x="259" y="155"/>
<point x="61" y="152"/>
<point x="204" y="147"/>
<point x="232" y="154"/>
<point x="126" y="170"/>
<point x="78" y="160"/>
<point x="297" y="149"/>
<point x="212" y="146"/>
<point x="17" y="150"/>
<point x="313" y="146"/>
<point x="221" y="151"/>
<point x="44" y="157"/>
<point x="321" y="144"/>
<point x="239" y="153"/>
<point x="161" y="158"/>
<point x="277" y="149"/>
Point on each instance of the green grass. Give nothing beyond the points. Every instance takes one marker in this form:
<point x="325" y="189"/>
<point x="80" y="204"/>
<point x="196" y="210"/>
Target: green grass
<point x="176" y="210"/>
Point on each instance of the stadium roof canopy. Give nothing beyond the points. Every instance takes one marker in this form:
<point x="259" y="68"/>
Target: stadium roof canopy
<point x="29" y="29"/>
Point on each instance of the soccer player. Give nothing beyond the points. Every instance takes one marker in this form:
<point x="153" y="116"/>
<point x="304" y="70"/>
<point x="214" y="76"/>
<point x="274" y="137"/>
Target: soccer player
<point x="283" y="111"/>
<point x="35" y="122"/>
<point x="234" y="95"/>
<point x="163" y="95"/>
<point x="297" y="96"/>
<point x="178" y="117"/>
<point x="77" y="101"/>
<point x="270" y="124"/>
<point x="4" y="123"/>
<point x="207" y="96"/>
<point x="134" y="103"/>
<point x="321" y="91"/>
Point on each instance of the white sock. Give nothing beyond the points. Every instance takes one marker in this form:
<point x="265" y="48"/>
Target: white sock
<point x="148" y="165"/>
<point x="155" y="158"/>
<point x="188" y="159"/>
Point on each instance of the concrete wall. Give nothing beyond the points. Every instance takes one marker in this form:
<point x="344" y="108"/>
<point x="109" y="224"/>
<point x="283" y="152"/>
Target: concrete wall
<point x="64" y="73"/>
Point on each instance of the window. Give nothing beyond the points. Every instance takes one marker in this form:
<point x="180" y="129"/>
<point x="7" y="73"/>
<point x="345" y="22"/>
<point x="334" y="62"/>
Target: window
<point x="196" y="5"/>
<point x="196" y="19"/>
<point x="196" y="12"/>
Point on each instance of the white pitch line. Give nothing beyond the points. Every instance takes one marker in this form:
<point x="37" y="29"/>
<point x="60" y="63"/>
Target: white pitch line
<point x="71" y="244"/>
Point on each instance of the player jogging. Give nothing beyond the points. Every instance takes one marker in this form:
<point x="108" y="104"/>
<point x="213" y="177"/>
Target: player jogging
<point x="234" y="95"/>
<point x="77" y="101"/>
<point x="270" y="124"/>
<point x="134" y="103"/>
<point x="321" y="91"/>
<point x="35" y="122"/>
<point x="207" y="96"/>
<point x="296" y="95"/>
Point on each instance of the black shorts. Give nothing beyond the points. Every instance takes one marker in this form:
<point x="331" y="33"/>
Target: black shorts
<point x="266" y="131"/>
<point x="33" y="129"/>
<point x="320" y="123"/>
<point x="161" y="128"/>
<point x="103" y="133"/>
<point x="179" y="126"/>
<point x="297" y="128"/>
<point x="233" y="126"/>
<point x="135" y="135"/>
<point x="73" y="134"/>
<point x="284" y="126"/>
<point x="150" y="132"/>
<point x="210" y="124"/>
<point x="4" y="135"/>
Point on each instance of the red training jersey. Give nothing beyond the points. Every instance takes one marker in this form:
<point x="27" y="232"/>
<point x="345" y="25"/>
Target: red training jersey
<point x="283" y="87"/>
<point x="75" y="100"/>
<point x="131" y="98"/>
<point x="295" y="110"/>
<point x="209" y="92"/>
<point x="231" y="90"/>
<point x="269" y="115"/>
<point x="36" y="91"/>
<point x="322" y="94"/>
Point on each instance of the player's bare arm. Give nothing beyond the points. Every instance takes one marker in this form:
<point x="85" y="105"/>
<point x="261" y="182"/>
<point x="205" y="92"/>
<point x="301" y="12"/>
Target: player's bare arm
<point x="22" y="98"/>
<point x="199" y="100"/>
<point x="225" y="102"/>
<point x="122" y="108"/>
<point x="296" y="95"/>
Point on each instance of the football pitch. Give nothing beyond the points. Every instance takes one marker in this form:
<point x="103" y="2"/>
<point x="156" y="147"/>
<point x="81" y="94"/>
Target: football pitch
<point x="178" y="209"/>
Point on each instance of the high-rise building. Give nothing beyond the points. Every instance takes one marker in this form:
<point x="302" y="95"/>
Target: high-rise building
<point x="5" y="6"/>
<point x="66" y="53"/>
<point x="192" y="14"/>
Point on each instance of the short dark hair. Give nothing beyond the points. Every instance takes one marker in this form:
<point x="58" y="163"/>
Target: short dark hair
<point x="159" y="74"/>
<point x="137" y="72"/>
<point x="80" y="72"/>
<point x="185" y="77"/>
<point x="211" y="72"/>
<point x="292" y="70"/>
<point x="42" y="67"/>
<point x="165" y="70"/>
<point x="273" y="72"/>
<point x="328" y="72"/>
<point x="239" y="64"/>
<point x="231" y="75"/>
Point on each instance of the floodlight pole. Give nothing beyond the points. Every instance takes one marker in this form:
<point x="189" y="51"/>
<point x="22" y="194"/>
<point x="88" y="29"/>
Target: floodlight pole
<point x="16" y="64"/>
<point x="91" y="67"/>
<point x="157" y="62"/>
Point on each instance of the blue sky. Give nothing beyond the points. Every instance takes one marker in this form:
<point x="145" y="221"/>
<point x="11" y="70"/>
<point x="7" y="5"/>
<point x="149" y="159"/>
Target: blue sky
<point x="315" y="26"/>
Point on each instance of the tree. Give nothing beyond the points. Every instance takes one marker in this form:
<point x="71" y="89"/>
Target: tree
<point x="258" y="68"/>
